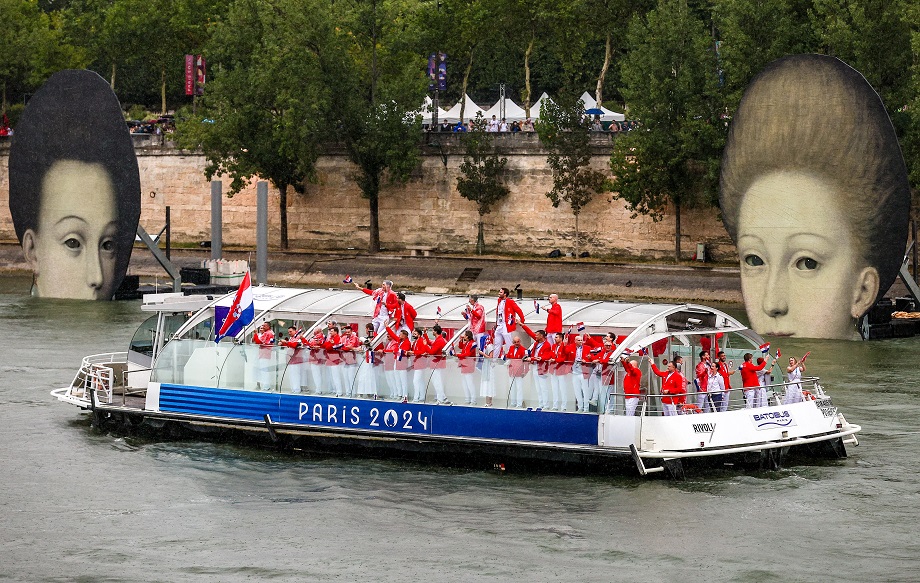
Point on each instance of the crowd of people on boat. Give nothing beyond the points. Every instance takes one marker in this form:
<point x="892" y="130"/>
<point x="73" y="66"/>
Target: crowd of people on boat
<point x="402" y="358"/>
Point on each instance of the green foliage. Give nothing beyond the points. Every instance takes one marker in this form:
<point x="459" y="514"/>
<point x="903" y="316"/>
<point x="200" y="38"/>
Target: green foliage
<point x="481" y="173"/>
<point x="264" y="112"/>
<point x="670" y="78"/>
<point x="564" y="131"/>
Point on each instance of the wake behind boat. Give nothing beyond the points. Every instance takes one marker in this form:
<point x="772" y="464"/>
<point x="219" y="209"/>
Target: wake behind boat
<point x="328" y="389"/>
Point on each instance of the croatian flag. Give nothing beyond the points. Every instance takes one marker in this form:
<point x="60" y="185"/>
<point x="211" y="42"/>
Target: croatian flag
<point x="438" y="312"/>
<point x="765" y="348"/>
<point x="347" y="279"/>
<point x="400" y="354"/>
<point x="806" y="356"/>
<point x="597" y="351"/>
<point x="580" y="326"/>
<point x="466" y="314"/>
<point x="536" y="306"/>
<point x="240" y="314"/>
<point x="778" y="353"/>
<point x="627" y="351"/>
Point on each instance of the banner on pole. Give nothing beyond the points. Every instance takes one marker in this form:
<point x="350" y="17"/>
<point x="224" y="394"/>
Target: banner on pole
<point x="189" y="74"/>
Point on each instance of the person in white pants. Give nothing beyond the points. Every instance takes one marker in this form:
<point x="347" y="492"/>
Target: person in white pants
<point x="487" y="379"/>
<point x="764" y="377"/>
<point x="562" y="367"/>
<point x="794" y="385"/>
<point x="581" y="375"/>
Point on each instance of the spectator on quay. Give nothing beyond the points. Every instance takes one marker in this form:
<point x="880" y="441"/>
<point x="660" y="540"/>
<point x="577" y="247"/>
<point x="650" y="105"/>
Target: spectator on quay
<point x="527" y="126"/>
<point x="596" y="126"/>
<point x="459" y="127"/>
<point x="493" y="125"/>
<point x="503" y="125"/>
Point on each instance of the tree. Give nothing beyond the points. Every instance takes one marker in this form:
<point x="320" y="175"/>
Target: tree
<point x="670" y="81"/>
<point x="377" y="90"/>
<point x="481" y="173"/>
<point x="564" y="130"/>
<point x="265" y="111"/>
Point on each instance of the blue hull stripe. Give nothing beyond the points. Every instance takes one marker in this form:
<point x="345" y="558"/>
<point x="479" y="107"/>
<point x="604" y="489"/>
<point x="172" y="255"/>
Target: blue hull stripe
<point x="410" y="418"/>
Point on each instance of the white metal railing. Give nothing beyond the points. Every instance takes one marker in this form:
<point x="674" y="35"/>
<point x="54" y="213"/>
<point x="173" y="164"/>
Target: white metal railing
<point x="97" y="375"/>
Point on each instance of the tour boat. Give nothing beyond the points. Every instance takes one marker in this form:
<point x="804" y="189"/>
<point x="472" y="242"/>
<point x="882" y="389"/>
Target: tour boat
<point x="175" y="374"/>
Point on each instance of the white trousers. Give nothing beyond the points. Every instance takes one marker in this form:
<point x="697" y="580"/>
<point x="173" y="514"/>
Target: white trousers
<point x="502" y="338"/>
<point x="516" y="396"/>
<point x="793" y="394"/>
<point x="349" y="372"/>
<point x="560" y="395"/>
<point x="437" y="379"/>
<point x="582" y="391"/>
<point x="469" y="388"/>
<point x="726" y="396"/>
<point x="335" y="376"/>
<point x="420" y="383"/>
<point x="631" y="403"/>
<point x="487" y="382"/>
<point x="392" y="383"/>
<point x="543" y="382"/>
<point x="751" y="397"/>
<point x="317" y="372"/>
<point x="402" y="382"/>
<point x="367" y="379"/>
<point x="295" y="376"/>
<point x="670" y="409"/>
<point x="762" y="397"/>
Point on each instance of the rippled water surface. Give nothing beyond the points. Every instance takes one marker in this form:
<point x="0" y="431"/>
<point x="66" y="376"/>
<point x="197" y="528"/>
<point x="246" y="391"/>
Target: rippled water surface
<point x="81" y="505"/>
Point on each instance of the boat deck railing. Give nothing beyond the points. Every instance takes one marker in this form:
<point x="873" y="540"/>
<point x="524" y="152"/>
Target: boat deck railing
<point x="427" y="379"/>
<point x="97" y="374"/>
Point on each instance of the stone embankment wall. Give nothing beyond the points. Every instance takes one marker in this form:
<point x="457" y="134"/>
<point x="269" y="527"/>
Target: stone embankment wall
<point x="427" y="210"/>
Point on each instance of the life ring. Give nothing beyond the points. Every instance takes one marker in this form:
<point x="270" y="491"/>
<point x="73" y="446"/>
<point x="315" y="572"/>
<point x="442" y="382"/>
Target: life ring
<point x="807" y="396"/>
<point x="690" y="408"/>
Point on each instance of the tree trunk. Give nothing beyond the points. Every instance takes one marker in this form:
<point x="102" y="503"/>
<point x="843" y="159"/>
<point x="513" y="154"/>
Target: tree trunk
<point x="480" y="239"/>
<point x="163" y="90"/>
<point x="374" y="240"/>
<point x="599" y="91"/>
<point x="112" y="78"/>
<point x="526" y="95"/>
<point x="576" y="235"/>
<point x="677" y="232"/>
<point x="283" y="188"/>
<point x="466" y="80"/>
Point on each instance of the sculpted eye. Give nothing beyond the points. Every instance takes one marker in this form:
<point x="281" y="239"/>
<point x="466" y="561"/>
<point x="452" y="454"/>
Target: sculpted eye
<point x="806" y="263"/>
<point x="108" y="245"/>
<point x="72" y="243"/>
<point x="753" y="260"/>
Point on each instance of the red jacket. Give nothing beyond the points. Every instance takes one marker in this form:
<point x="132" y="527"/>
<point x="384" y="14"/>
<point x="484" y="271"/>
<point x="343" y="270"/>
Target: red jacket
<point x="420" y="357"/>
<point x="511" y="309"/>
<point x="477" y="317"/>
<point x="554" y="319"/>
<point x="467" y="356"/>
<point x="407" y="313"/>
<point x="516" y="365"/>
<point x="297" y="344"/>
<point x="563" y="356"/>
<point x="749" y="374"/>
<point x="381" y="297"/>
<point x="397" y="348"/>
<point x="333" y="348"/>
<point x="349" y="347"/>
<point x="633" y="376"/>
<point x="264" y="340"/>
<point x="436" y="350"/>
<point x="674" y="386"/>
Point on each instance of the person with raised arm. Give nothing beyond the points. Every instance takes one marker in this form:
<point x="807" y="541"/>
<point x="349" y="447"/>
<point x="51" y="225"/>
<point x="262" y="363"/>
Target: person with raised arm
<point x="295" y="342"/>
<point x="673" y="387"/>
<point x="794" y="380"/>
<point x="438" y="363"/>
<point x="351" y="343"/>
<point x="541" y="354"/>
<point x="400" y="361"/>
<point x="553" y="318"/>
<point x="507" y="316"/>
<point x="475" y="313"/>
<point x="631" y="385"/>
<point x="420" y="361"/>
<point x="385" y="303"/>
<point x="749" y="380"/>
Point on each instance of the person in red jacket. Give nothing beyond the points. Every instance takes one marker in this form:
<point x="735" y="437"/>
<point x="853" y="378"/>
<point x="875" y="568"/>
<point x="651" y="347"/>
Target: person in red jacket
<point x="350" y="347"/>
<point x="582" y="368"/>
<point x="553" y="318"/>
<point x="265" y="338"/>
<point x="517" y="370"/>
<point x="317" y="361"/>
<point x="466" y="359"/>
<point x="476" y="314"/>
<point x="295" y="371"/>
<point x="631" y="381"/>
<point x="563" y="359"/>
<point x="749" y="379"/>
<point x="725" y="373"/>
<point x="401" y="362"/>
<point x="420" y="361"/>
<point x="541" y="355"/>
<point x="438" y="363"/>
<point x="507" y="316"/>
<point x="702" y="378"/>
<point x="373" y="359"/>
<point x="405" y="314"/>
<point x="333" y="348"/>
<point x="385" y="303"/>
<point x="673" y="387"/>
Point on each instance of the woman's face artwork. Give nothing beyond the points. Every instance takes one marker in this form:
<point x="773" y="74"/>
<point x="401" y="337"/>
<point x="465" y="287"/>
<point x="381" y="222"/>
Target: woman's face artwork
<point x="802" y="272"/>
<point x="73" y="251"/>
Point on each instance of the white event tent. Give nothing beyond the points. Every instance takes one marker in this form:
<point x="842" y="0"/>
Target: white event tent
<point x="453" y="114"/>
<point x="427" y="111"/>
<point x="513" y="111"/>
<point x="609" y="115"/>
<point x="535" y="108"/>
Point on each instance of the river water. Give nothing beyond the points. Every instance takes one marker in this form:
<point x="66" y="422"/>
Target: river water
<point x="78" y="505"/>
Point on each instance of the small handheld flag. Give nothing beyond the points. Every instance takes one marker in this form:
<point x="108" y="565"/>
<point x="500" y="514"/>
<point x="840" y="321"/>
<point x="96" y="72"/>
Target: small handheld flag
<point x="765" y="348"/>
<point x="580" y="326"/>
<point x="596" y="351"/>
<point x="400" y="354"/>
<point x="347" y="279"/>
<point x="438" y="312"/>
<point x="536" y="306"/>
<point x="804" y="357"/>
<point x="778" y="353"/>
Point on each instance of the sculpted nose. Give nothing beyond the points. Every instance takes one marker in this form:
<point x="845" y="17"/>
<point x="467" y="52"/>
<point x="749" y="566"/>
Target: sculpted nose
<point x="776" y="294"/>
<point x="94" y="277"/>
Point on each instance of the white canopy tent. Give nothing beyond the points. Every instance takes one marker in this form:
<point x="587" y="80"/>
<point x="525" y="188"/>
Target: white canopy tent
<point x="609" y="115"/>
<point x="453" y="114"/>
<point x="513" y="111"/>
<point x="427" y="111"/>
<point x="535" y="108"/>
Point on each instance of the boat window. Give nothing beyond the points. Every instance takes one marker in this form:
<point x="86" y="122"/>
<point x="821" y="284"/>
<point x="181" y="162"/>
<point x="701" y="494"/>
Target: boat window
<point x="142" y="342"/>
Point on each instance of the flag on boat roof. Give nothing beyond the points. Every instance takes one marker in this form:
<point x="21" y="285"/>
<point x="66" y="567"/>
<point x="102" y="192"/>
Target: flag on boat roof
<point x="240" y="314"/>
<point x="765" y="348"/>
<point x="347" y="279"/>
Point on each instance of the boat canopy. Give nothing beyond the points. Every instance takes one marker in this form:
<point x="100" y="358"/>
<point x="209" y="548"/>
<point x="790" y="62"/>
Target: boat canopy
<point x="636" y="324"/>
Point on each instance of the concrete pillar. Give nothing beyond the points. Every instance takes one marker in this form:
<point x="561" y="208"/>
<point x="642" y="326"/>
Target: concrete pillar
<point x="216" y="219"/>
<point x="261" y="232"/>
